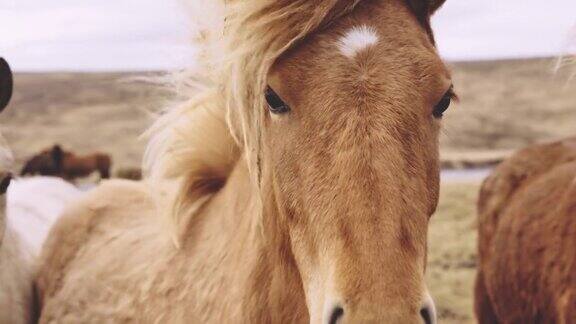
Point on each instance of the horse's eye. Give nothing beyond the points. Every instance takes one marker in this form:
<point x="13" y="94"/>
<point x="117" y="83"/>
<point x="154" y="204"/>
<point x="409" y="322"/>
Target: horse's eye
<point x="4" y="183"/>
<point x="275" y="103"/>
<point x="444" y="103"/>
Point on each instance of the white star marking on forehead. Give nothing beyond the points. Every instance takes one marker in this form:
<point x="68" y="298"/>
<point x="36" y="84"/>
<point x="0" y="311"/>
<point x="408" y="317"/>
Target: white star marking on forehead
<point x="357" y="39"/>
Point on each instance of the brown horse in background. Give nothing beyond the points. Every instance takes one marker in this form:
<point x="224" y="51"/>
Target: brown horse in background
<point x="46" y="163"/>
<point x="57" y="162"/>
<point x="527" y="238"/>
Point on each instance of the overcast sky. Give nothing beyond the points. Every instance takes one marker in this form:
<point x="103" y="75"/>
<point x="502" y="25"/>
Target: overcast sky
<point x="152" y="34"/>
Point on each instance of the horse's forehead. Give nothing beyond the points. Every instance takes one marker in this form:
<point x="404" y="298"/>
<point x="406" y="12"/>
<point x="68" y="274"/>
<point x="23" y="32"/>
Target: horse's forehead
<point x="375" y="55"/>
<point x="388" y="33"/>
<point x="356" y="39"/>
<point x="393" y="20"/>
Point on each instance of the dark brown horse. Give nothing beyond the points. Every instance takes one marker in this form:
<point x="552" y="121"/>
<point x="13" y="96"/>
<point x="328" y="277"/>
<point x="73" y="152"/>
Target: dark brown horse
<point x="60" y="163"/>
<point x="46" y="163"/>
<point x="527" y="238"/>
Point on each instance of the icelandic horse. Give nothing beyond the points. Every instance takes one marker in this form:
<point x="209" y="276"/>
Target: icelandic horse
<point x="28" y="208"/>
<point x="16" y="278"/>
<point x="527" y="238"/>
<point x="294" y="185"/>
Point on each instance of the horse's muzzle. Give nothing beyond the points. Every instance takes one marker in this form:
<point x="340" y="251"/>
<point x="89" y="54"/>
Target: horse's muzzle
<point x="428" y="310"/>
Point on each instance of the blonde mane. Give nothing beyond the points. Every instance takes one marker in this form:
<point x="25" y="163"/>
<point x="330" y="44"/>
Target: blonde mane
<point x="568" y="57"/>
<point x="195" y="145"/>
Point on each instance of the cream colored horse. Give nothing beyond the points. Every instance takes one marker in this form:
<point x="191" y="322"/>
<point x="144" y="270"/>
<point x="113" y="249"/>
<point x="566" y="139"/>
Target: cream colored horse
<point x="28" y="208"/>
<point x="294" y="186"/>
<point x="16" y="298"/>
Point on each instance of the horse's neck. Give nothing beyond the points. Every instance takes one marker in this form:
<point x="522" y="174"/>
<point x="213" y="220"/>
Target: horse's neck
<point x="265" y="279"/>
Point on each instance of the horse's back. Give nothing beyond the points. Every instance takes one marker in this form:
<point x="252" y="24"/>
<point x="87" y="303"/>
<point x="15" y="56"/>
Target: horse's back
<point x="34" y="205"/>
<point x="527" y="224"/>
<point x="16" y="277"/>
<point x="104" y="163"/>
<point x="515" y="175"/>
<point x="92" y="253"/>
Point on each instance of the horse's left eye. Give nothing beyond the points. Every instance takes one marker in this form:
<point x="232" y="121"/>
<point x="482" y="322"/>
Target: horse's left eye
<point x="444" y="103"/>
<point x="275" y="104"/>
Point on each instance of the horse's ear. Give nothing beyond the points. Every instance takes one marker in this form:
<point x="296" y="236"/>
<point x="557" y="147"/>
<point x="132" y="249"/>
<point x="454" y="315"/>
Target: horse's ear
<point x="425" y="8"/>
<point x="6" y="84"/>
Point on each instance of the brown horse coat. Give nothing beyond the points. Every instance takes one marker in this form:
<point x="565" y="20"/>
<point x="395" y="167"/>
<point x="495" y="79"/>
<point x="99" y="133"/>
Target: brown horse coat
<point x="294" y="187"/>
<point x="75" y="166"/>
<point x="527" y="238"/>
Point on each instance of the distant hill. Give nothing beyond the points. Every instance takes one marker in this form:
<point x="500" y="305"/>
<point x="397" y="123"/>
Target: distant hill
<point x="504" y="105"/>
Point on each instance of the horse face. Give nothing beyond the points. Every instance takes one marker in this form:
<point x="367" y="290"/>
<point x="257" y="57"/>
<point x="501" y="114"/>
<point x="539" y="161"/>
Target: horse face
<point x="351" y="148"/>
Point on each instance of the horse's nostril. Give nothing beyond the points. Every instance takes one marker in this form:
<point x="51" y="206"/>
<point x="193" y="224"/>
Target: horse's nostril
<point x="428" y="315"/>
<point x="337" y="314"/>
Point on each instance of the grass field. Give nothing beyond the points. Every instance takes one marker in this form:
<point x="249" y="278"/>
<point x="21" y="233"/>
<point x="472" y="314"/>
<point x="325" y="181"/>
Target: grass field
<point x="503" y="106"/>
<point x="84" y="112"/>
<point x="452" y="252"/>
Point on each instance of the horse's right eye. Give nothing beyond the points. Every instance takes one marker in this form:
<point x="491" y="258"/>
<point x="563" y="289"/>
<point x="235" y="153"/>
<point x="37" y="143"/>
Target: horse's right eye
<point x="444" y="103"/>
<point x="275" y="104"/>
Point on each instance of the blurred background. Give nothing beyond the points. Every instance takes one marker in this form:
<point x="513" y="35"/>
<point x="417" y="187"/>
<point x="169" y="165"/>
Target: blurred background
<point x="81" y="67"/>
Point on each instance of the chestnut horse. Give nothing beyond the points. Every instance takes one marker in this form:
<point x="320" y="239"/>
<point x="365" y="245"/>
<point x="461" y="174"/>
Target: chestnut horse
<point x="294" y="186"/>
<point x="527" y="238"/>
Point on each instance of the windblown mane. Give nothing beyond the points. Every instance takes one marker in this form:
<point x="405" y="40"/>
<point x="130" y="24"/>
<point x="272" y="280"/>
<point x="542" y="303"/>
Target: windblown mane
<point x="569" y="56"/>
<point x="194" y="145"/>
